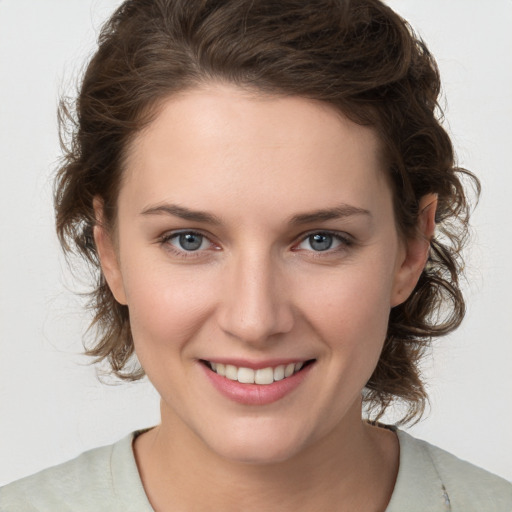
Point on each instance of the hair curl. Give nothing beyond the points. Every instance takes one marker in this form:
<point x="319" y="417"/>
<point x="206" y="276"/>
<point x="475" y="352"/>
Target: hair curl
<point x="356" y="55"/>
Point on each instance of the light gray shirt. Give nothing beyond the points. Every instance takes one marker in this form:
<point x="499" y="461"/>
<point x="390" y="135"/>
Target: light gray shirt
<point x="106" y="479"/>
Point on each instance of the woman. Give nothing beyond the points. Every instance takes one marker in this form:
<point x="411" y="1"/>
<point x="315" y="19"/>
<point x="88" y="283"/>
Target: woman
<point x="260" y="184"/>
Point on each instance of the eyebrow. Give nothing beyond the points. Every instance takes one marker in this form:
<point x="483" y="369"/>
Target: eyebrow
<point x="182" y="212"/>
<point x="341" y="211"/>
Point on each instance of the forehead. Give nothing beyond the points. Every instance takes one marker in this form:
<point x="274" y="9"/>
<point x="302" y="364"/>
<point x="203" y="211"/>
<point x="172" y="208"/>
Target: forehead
<point x="224" y="142"/>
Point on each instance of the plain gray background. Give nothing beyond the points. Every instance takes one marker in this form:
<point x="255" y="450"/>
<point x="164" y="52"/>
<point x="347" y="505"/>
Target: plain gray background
<point x="52" y="406"/>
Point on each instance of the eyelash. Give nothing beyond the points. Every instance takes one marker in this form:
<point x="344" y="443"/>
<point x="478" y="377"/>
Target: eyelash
<point x="344" y="240"/>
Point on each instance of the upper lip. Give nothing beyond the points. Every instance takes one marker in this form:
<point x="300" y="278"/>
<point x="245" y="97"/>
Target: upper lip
<point x="256" y="365"/>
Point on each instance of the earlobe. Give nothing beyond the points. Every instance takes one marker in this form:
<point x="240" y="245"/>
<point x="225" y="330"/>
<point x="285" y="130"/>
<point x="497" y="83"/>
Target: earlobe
<point x="416" y="251"/>
<point x="107" y="254"/>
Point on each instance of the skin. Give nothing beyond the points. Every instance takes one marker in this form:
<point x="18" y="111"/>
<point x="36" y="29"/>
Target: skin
<point x="257" y="289"/>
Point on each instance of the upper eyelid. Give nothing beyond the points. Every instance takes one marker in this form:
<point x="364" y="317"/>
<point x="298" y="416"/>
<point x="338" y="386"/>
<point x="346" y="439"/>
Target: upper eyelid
<point x="175" y="232"/>
<point x="342" y="235"/>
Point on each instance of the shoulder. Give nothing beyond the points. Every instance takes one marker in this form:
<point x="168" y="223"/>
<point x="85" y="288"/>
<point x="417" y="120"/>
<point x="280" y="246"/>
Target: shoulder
<point x="470" y="484"/>
<point x="430" y="475"/>
<point x="63" y="487"/>
<point x="105" y="478"/>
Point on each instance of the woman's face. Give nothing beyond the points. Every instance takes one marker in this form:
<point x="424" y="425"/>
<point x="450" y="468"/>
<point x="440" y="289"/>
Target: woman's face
<point x="256" y="233"/>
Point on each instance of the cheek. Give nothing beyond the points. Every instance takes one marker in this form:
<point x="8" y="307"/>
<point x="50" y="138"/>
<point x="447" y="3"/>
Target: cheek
<point x="350" y="310"/>
<point x="167" y="305"/>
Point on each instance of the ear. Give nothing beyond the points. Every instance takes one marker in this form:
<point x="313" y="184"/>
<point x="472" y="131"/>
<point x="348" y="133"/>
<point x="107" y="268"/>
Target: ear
<point x="107" y="253"/>
<point x="416" y="250"/>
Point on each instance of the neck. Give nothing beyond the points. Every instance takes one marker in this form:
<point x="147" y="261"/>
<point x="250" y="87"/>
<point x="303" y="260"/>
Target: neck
<point x="179" y="472"/>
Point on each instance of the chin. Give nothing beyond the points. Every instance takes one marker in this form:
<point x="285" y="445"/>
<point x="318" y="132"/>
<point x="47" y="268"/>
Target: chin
<point x="257" y="446"/>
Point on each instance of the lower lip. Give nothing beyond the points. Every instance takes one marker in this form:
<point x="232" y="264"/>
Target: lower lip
<point x="256" y="394"/>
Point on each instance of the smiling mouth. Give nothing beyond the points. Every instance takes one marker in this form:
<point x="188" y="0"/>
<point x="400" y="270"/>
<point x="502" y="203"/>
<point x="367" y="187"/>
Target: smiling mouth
<point x="263" y="376"/>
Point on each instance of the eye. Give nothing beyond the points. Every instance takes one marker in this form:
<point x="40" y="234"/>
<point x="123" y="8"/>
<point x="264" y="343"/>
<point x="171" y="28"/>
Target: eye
<point x="322" y="241"/>
<point x="188" y="241"/>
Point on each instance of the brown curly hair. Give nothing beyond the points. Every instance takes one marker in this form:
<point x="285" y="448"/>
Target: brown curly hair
<point x="356" y="55"/>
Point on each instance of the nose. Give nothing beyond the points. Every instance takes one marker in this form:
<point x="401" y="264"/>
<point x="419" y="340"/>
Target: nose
<point x="256" y="306"/>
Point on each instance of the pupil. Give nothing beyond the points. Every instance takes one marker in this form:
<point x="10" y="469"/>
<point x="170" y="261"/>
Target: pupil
<point x="190" y="241"/>
<point x="320" y="242"/>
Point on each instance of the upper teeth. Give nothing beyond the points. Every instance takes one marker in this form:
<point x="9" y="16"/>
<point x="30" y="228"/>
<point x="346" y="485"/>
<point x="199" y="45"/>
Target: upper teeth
<point x="261" y="376"/>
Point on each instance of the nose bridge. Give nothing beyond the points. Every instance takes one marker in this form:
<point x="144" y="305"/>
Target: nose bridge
<point x="255" y="305"/>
